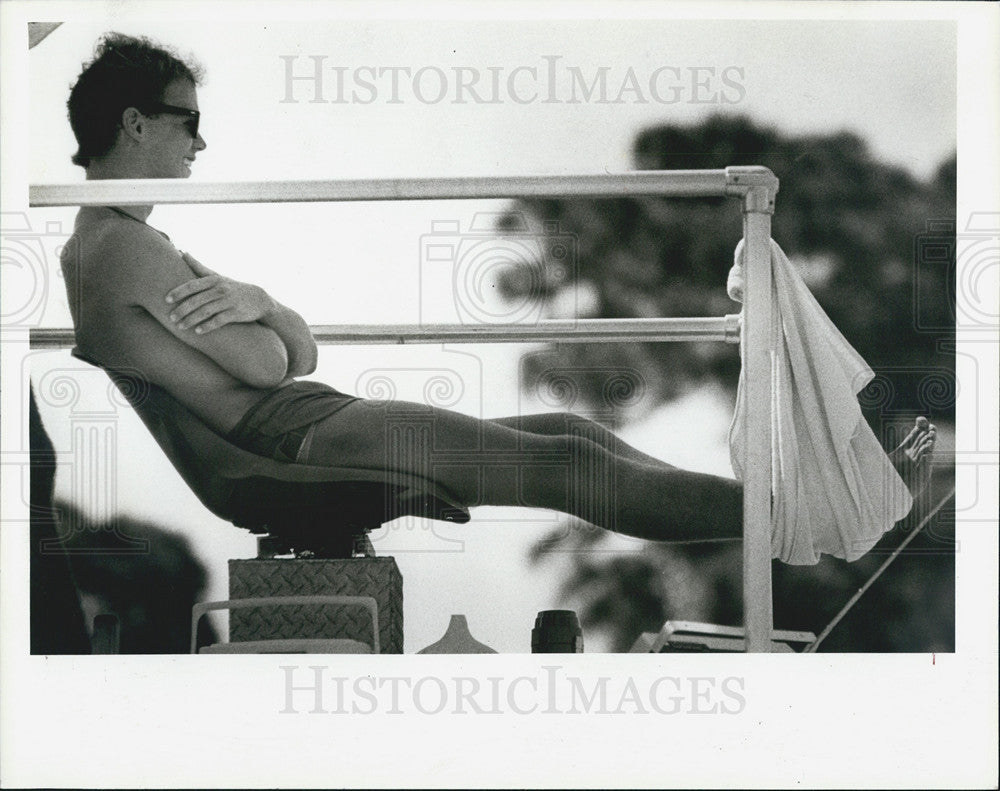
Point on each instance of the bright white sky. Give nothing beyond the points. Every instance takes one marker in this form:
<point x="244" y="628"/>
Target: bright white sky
<point x="892" y="82"/>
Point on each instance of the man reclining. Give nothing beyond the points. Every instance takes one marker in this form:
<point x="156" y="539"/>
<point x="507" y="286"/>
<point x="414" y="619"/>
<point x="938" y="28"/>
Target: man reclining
<point x="231" y="354"/>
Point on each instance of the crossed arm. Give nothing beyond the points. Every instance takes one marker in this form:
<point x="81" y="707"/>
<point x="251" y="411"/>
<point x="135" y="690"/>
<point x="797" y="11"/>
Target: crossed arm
<point x="211" y="301"/>
<point x="237" y="326"/>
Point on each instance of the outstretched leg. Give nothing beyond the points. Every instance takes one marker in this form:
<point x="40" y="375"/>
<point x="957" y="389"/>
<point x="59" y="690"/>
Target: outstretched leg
<point x="485" y="462"/>
<point x="554" y="424"/>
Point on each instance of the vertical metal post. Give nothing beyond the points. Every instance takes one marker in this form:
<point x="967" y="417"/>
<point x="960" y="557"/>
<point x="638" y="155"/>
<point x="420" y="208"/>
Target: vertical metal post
<point x="758" y="355"/>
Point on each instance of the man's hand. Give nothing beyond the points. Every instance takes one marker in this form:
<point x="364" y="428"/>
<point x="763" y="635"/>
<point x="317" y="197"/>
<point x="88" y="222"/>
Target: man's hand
<point x="211" y="301"/>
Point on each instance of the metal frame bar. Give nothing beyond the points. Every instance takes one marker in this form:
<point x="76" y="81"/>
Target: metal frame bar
<point x="756" y="188"/>
<point x="724" y="328"/>
<point x="132" y="192"/>
<point x="757" y="345"/>
<point x="198" y="611"/>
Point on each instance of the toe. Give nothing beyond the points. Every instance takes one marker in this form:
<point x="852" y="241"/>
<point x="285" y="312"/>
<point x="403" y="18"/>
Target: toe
<point x="910" y="438"/>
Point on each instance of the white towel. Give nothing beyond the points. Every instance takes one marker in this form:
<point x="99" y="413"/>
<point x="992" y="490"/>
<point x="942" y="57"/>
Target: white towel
<point x="835" y="489"/>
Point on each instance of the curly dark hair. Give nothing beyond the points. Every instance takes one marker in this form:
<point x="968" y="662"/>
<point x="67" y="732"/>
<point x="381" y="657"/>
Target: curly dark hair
<point x="126" y="71"/>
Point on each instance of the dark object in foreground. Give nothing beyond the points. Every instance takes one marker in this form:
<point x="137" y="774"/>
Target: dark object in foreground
<point x="57" y="621"/>
<point x="557" y="632"/>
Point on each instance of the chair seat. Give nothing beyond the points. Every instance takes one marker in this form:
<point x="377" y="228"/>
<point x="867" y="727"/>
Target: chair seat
<point x="320" y="510"/>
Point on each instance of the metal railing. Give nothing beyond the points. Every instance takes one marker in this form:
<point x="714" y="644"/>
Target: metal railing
<point x="755" y="187"/>
<point x="138" y="192"/>
<point x="725" y="328"/>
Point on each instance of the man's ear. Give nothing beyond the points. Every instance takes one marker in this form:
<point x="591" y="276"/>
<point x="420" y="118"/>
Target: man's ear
<point x="133" y="123"/>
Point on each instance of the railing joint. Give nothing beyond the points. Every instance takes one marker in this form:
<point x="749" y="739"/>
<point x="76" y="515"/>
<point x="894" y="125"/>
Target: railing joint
<point x="756" y="185"/>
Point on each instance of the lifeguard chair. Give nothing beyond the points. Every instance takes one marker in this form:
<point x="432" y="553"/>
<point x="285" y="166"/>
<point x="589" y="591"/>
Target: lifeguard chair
<point x="318" y="516"/>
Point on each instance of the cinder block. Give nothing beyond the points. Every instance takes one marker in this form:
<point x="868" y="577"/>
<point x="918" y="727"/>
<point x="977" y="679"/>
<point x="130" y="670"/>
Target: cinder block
<point x="375" y="577"/>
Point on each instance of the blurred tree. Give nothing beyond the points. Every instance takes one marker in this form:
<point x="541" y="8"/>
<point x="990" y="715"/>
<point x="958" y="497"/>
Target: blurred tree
<point x="876" y="247"/>
<point x="853" y="225"/>
<point x="910" y="607"/>
<point x="152" y="591"/>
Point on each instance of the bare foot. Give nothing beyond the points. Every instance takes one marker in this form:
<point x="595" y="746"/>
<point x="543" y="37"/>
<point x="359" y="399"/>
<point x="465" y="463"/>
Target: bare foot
<point x="912" y="459"/>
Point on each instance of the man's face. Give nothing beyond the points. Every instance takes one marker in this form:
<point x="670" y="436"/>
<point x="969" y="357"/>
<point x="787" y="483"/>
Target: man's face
<point x="172" y="148"/>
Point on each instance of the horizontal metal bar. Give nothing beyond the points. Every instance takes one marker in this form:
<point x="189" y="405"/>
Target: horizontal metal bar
<point x="132" y="192"/>
<point x="724" y="328"/>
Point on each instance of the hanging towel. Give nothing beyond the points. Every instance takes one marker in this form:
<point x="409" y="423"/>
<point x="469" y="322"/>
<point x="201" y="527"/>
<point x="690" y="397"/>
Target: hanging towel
<point x="835" y="489"/>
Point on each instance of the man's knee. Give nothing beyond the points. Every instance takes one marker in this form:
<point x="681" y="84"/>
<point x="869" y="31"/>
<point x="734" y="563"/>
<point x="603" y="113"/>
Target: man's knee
<point x="587" y="449"/>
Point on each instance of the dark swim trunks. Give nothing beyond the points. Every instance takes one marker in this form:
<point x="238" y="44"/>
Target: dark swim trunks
<point x="277" y="425"/>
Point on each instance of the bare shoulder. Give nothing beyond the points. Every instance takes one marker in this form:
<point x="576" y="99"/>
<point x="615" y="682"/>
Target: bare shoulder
<point x="125" y="271"/>
<point x="129" y="258"/>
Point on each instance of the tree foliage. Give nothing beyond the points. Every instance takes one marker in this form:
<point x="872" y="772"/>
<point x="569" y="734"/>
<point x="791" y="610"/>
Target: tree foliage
<point x="147" y="576"/>
<point x="875" y="245"/>
<point x="857" y="228"/>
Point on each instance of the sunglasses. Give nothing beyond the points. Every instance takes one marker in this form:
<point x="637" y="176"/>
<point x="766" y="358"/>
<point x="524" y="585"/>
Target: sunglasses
<point x="192" y="117"/>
